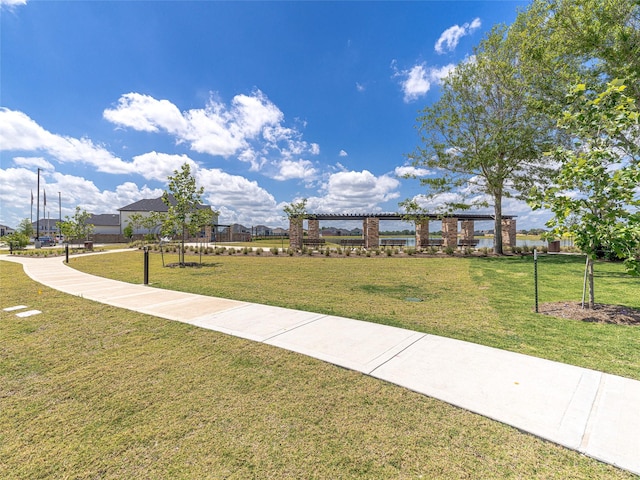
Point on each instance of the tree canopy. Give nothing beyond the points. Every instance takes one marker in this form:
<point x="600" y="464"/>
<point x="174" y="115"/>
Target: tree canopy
<point x="595" y="194"/>
<point x="481" y="137"/>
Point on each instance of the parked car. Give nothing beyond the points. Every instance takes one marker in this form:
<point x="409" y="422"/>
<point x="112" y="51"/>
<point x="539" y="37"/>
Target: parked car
<point x="47" y="241"/>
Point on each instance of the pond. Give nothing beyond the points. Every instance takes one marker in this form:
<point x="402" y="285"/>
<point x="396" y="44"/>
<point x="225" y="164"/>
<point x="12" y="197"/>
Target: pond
<point x="487" y="242"/>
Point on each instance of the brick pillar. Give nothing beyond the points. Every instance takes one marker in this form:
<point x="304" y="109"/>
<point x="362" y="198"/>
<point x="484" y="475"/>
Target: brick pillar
<point x="468" y="229"/>
<point x="295" y="232"/>
<point x="207" y="232"/>
<point x="314" y="229"/>
<point x="372" y="235"/>
<point x="422" y="233"/>
<point x="509" y="232"/>
<point x="450" y="232"/>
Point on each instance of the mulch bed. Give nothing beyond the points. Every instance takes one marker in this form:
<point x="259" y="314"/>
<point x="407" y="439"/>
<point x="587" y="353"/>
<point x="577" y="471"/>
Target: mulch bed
<point x="602" y="313"/>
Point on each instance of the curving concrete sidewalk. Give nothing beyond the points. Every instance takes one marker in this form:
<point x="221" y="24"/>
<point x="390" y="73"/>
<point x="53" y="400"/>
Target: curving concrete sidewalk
<point x="595" y="413"/>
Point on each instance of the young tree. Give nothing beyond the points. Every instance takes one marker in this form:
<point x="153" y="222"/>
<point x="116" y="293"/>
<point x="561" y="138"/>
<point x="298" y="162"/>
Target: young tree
<point x="185" y="212"/>
<point x="481" y="137"/>
<point x="595" y="196"/>
<point x="76" y="227"/>
<point x="26" y="228"/>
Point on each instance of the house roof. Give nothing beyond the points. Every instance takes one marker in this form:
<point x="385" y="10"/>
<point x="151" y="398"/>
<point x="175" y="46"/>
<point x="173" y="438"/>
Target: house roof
<point x="152" y="205"/>
<point x="105" y="220"/>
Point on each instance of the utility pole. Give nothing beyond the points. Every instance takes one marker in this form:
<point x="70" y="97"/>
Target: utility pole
<point x="38" y="212"/>
<point x="59" y="217"/>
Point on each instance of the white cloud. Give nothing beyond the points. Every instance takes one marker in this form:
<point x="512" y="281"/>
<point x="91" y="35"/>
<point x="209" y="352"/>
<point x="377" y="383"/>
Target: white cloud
<point x="343" y="153"/>
<point x="33" y="162"/>
<point x="12" y="3"/>
<point x="158" y="166"/>
<point x="250" y="128"/>
<point x="355" y="191"/>
<point x="289" y="169"/>
<point x="449" y="39"/>
<point x="407" y="170"/>
<point x="417" y="80"/>
<point x="238" y="199"/>
<point x="360" y="87"/>
<point x="19" y="132"/>
<point x="416" y="83"/>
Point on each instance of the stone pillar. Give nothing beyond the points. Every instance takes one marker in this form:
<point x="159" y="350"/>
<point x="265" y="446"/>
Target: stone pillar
<point x="468" y="229"/>
<point x="372" y="232"/>
<point x="314" y="229"/>
<point x="208" y="232"/>
<point x="422" y="233"/>
<point x="450" y="232"/>
<point x="509" y="232"/>
<point x="295" y="232"/>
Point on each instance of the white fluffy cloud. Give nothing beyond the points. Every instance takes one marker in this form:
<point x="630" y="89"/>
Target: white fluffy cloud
<point x="239" y="200"/>
<point x="409" y="171"/>
<point x="355" y="191"/>
<point x="290" y="169"/>
<point x="417" y="80"/>
<point x="250" y="128"/>
<point x="33" y="162"/>
<point x="18" y="132"/>
<point x="12" y="3"/>
<point x="449" y="39"/>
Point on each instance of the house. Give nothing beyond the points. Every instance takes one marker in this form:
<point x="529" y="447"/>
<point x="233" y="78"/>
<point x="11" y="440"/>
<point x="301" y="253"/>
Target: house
<point x="47" y="227"/>
<point x="148" y="205"/>
<point x="105" y="223"/>
<point x="262" y="231"/>
<point x="4" y="230"/>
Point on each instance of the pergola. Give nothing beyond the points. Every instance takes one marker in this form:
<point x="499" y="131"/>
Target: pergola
<point x="371" y="227"/>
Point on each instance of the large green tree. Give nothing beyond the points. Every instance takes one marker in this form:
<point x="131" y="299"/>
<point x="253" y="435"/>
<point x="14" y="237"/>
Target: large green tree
<point x="566" y="42"/>
<point x="186" y="214"/>
<point x="482" y="137"/>
<point x="596" y="196"/>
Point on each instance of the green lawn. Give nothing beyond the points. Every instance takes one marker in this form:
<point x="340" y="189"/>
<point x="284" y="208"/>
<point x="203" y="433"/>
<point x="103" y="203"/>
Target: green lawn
<point x="92" y="391"/>
<point x="486" y="300"/>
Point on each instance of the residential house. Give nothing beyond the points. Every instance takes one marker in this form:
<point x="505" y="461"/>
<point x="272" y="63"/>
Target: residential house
<point x="4" y="230"/>
<point x="105" y="224"/>
<point x="148" y="205"/>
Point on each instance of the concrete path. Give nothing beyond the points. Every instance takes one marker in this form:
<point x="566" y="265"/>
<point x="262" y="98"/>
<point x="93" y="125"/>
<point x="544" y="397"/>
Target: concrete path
<point x="592" y="412"/>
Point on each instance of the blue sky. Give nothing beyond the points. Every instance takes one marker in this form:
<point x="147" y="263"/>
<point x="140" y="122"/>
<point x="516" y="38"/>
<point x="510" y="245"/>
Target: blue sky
<point x="269" y="101"/>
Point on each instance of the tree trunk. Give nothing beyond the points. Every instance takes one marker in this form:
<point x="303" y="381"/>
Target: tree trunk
<point x="592" y="302"/>
<point x="497" y="232"/>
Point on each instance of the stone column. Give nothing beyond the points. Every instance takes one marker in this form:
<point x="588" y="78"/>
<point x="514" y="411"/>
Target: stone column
<point x="450" y="232"/>
<point x="208" y="232"/>
<point x="371" y="233"/>
<point x="295" y="232"/>
<point x="422" y="233"/>
<point x="468" y="229"/>
<point x="509" y="232"/>
<point x="314" y="229"/>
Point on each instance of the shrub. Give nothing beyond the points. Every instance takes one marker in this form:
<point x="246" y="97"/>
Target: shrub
<point x="327" y="252"/>
<point x="389" y="252"/>
<point x="449" y="250"/>
<point x="290" y="251"/>
<point x="275" y="250"/>
<point x="259" y="251"/>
